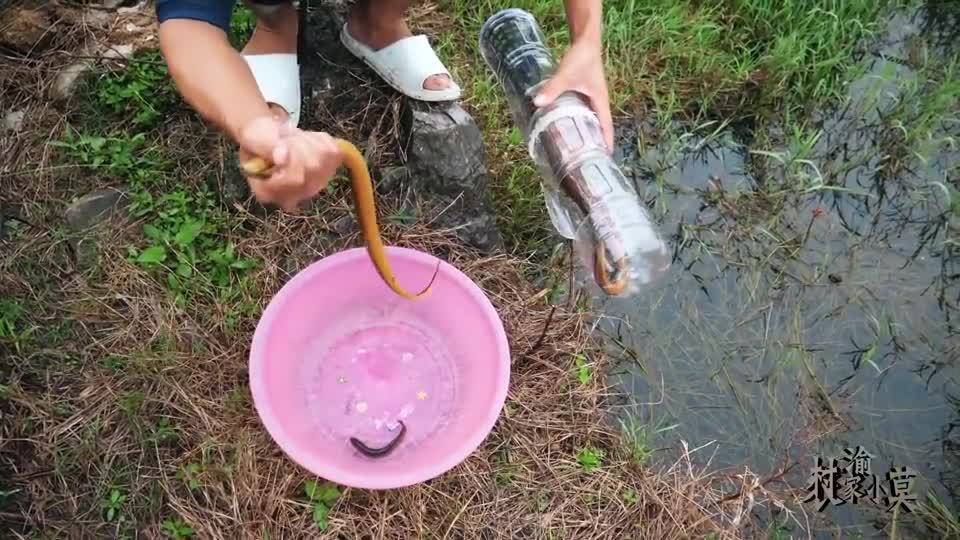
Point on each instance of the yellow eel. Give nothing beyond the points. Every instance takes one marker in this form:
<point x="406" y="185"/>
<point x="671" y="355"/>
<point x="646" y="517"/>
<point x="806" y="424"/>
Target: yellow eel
<point x="603" y="278"/>
<point x="362" y="187"/>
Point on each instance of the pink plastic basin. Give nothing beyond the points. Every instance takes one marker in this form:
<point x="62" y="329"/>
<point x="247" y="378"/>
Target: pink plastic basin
<point x="337" y="354"/>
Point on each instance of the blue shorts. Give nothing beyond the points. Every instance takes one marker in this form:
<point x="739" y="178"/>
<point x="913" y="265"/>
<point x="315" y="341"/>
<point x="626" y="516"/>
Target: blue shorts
<point x="215" y="12"/>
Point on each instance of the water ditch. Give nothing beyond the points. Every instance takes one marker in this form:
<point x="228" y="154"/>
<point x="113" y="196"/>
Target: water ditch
<point x="812" y="305"/>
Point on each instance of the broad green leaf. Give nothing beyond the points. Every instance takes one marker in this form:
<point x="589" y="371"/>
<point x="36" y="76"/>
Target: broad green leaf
<point x="152" y="232"/>
<point x="188" y="232"/>
<point x="328" y="493"/>
<point x="311" y="488"/>
<point x="152" y="255"/>
<point x="184" y="270"/>
<point x="583" y="370"/>
<point x="320" y="513"/>
<point x="584" y="375"/>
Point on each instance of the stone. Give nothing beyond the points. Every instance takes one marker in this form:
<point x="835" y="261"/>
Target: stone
<point x="445" y="147"/>
<point x="445" y="153"/>
<point x="345" y="225"/>
<point x="13" y="120"/>
<point x="95" y="207"/>
<point x="24" y="28"/>
<point x="66" y="82"/>
<point x="123" y="51"/>
<point x="81" y="217"/>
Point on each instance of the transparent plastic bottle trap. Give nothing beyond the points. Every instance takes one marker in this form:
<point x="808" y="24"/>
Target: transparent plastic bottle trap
<point x="588" y="198"/>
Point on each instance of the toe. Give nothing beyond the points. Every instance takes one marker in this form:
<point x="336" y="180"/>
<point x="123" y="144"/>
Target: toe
<point x="437" y="82"/>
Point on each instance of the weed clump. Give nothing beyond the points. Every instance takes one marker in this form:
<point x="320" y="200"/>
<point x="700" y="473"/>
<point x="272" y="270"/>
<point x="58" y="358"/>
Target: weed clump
<point x="137" y="95"/>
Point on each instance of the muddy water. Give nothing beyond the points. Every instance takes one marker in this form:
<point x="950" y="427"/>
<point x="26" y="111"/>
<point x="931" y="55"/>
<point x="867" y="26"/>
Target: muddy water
<point x="812" y="304"/>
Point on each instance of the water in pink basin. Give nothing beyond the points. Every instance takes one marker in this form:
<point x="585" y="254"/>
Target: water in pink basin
<point x="362" y="383"/>
<point x="338" y="355"/>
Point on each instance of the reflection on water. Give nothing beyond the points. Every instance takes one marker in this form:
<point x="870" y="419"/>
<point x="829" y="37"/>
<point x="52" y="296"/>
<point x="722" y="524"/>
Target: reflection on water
<point x="812" y="303"/>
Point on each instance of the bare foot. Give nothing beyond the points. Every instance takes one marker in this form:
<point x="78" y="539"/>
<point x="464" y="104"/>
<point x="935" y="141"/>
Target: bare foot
<point x="276" y="30"/>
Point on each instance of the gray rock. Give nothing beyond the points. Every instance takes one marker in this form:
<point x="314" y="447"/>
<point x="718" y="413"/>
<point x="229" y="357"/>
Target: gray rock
<point x="81" y="217"/>
<point x="345" y="225"/>
<point x="122" y="51"/>
<point x="66" y="82"/>
<point x="13" y="121"/>
<point x="445" y="147"/>
<point x="95" y="207"/>
<point x="446" y="165"/>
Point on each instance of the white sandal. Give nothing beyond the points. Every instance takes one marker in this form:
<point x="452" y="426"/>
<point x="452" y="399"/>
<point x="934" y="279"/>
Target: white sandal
<point x="405" y="65"/>
<point x="278" y="77"/>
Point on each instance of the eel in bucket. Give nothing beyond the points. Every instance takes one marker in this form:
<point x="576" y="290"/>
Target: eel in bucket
<point x="379" y="452"/>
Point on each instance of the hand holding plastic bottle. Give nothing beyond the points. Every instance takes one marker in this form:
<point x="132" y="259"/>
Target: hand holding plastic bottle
<point x="570" y="137"/>
<point x="581" y="70"/>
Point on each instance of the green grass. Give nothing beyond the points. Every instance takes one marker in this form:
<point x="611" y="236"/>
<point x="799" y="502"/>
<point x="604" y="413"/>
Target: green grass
<point x="937" y="519"/>
<point x="322" y="498"/>
<point x="688" y="52"/>
<point x="184" y="243"/>
<point x="242" y="24"/>
<point x="12" y="322"/>
<point x="681" y="59"/>
<point x="183" y="227"/>
<point x="182" y="239"/>
<point x="140" y="94"/>
<point x="590" y="458"/>
<point x="640" y="437"/>
<point x="928" y="103"/>
<point x="177" y="529"/>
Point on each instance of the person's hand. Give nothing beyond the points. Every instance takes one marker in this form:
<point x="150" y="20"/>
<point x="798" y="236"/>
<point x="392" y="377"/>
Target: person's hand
<point x="303" y="161"/>
<point x="581" y="70"/>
